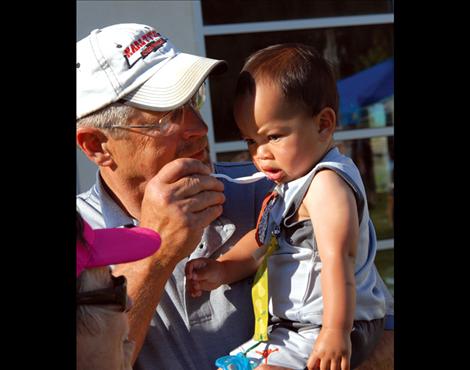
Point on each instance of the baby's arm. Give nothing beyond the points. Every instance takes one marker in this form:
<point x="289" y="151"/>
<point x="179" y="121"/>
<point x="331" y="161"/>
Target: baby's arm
<point x="332" y="208"/>
<point x="238" y="263"/>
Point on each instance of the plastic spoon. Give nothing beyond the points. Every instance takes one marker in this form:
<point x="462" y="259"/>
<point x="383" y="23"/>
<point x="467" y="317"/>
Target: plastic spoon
<point x="241" y="180"/>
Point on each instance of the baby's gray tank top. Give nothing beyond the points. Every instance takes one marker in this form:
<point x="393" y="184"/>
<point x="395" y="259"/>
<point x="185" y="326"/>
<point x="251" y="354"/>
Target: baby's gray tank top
<point x="294" y="269"/>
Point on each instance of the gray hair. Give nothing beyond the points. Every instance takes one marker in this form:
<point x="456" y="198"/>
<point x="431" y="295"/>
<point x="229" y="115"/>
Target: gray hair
<point x="91" y="320"/>
<point x="113" y="114"/>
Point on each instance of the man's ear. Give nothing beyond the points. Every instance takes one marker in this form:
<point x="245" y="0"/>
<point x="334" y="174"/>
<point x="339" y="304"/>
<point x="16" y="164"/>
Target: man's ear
<point x="326" y="122"/>
<point x="92" y="142"/>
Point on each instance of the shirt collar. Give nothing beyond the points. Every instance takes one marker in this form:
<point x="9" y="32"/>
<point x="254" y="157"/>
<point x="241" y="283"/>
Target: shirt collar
<point x="113" y="215"/>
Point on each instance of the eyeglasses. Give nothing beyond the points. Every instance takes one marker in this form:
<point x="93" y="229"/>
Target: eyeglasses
<point x="171" y="120"/>
<point x="116" y="295"/>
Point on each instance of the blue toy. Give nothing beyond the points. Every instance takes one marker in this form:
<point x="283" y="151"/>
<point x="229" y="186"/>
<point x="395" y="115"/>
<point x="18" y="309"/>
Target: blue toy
<point x="238" y="362"/>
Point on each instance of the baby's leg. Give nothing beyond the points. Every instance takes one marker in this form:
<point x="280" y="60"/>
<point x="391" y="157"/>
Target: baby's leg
<point x="364" y="338"/>
<point x="285" y="348"/>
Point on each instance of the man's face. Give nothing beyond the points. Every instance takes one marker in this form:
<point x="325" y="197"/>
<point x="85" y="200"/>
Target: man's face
<point x="140" y="154"/>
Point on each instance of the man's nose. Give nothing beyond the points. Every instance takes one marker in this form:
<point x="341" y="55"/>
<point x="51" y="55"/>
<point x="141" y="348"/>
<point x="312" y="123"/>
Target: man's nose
<point x="193" y="124"/>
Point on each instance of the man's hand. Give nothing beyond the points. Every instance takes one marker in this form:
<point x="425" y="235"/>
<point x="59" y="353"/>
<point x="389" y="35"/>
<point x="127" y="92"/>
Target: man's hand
<point x="179" y="202"/>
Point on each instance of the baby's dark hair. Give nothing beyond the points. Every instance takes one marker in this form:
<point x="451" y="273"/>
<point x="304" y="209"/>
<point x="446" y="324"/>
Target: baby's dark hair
<point x="301" y="73"/>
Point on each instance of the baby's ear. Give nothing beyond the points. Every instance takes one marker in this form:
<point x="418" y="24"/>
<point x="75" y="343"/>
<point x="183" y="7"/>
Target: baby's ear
<point x="326" y="122"/>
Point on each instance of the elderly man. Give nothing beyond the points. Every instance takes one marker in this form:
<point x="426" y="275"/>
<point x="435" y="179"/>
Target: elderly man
<point x="138" y="120"/>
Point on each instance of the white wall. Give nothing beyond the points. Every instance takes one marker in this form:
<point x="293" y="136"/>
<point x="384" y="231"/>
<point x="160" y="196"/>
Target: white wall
<point x="175" y="19"/>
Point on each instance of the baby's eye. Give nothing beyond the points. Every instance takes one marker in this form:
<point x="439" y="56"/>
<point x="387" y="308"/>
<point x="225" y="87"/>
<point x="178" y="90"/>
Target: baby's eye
<point x="274" y="138"/>
<point x="249" y="141"/>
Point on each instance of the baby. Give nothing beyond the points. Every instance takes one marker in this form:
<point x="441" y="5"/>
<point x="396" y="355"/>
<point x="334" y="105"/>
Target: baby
<point x="315" y="244"/>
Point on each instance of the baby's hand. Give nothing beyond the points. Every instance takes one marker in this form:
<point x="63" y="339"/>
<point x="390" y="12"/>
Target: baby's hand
<point x="203" y="274"/>
<point x="332" y="350"/>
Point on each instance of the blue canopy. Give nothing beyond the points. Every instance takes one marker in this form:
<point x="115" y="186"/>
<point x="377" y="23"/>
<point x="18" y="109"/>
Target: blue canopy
<point x="364" y="88"/>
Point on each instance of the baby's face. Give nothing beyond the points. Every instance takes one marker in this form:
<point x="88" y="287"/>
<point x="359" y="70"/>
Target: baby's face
<point x="284" y="141"/>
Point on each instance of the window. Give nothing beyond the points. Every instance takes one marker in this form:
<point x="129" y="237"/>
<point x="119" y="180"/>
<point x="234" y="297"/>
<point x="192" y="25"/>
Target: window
<point x="237" y="11"/>
<point x="350" y="49"/>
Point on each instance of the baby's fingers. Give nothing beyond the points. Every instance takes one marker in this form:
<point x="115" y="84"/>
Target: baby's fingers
<point x="325" y="364"/>
<point x="194" y="289"/>
<point x="335" y="365"/>
<point x="313" y="362"/>
<point x="194" y="265"/>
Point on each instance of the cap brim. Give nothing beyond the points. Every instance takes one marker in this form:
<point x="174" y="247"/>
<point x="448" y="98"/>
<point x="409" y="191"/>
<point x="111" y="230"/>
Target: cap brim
<point x="115" y="245"/>
<point x="175" y="83"/>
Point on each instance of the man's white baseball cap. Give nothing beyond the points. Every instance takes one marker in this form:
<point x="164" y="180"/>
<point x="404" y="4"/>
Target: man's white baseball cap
<point x="136" y="63"/>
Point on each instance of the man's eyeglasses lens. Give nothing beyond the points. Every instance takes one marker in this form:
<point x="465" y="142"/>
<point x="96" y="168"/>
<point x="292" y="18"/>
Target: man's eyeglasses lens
<point x="171" y="120"/>
<point x="115" y="295"/>
<point x="198" y="99"/>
